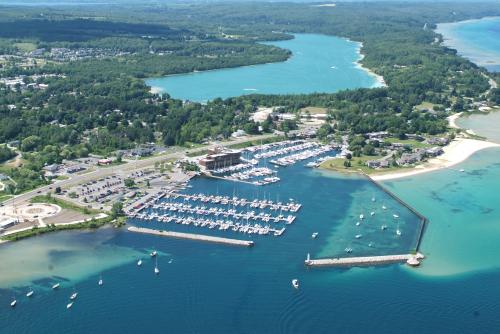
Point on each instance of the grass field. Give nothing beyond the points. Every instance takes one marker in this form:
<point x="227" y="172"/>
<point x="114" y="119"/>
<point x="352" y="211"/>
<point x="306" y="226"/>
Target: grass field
<point x="358" y="165"/>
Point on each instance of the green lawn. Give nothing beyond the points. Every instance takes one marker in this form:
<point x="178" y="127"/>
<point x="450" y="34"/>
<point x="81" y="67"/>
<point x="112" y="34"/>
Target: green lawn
<point x="358" y="165"/>
<point x="414" y="143"/>
<point x="63" y="204"/>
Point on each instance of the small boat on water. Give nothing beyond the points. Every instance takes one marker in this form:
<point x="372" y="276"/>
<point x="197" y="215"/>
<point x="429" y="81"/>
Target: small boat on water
<point x="398" y="232"/>
<point x="462" y="170"/>
<point x="69" y="305"/>
<point x="157" y="271"/>
<point x="384" y="207"/>
<point x="358" y="223"/>
<point x="100" y="282"/>
<point x="13" y="303"/>
<point x="171" y="260"/>
<point x="139" y="263"/>
<point x="73" y="296"/>
<point x="395" y="216"/>
<point x="314" y="235"/>
<point x="56" y="286"/>
<point x="373" y="199"/>
<point x="295" y="283"/>
<point x="361" y="216"/>
<point x="30" y="293"/>
<point x="383" y="227"/>
<point x="358" y="236"/>
<point x="153" y="253"/>
<point x="372" y="213"/>
<point x="348" y="250"/>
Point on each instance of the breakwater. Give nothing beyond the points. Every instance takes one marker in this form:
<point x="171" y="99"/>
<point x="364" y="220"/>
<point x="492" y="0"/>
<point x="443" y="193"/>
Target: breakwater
<point x="199" y="237"/>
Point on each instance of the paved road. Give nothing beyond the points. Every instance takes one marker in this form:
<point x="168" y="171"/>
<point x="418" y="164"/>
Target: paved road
<point x="126" y="167"/>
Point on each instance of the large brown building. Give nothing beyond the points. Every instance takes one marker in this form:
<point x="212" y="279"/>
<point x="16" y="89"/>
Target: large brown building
<point x="220" y="157"/>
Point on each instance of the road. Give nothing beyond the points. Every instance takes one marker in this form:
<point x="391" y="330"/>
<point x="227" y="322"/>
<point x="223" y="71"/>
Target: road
<point x="120" y="169"/>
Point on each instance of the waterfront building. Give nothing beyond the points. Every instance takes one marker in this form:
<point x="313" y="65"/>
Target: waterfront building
<point x="220" y="157"/>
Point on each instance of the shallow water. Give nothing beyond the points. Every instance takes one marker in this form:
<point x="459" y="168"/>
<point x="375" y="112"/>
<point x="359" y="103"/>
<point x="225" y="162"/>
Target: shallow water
<point x="209" y="287"/>
<point x="485" y="125"/>
<point x="319" y="63"/>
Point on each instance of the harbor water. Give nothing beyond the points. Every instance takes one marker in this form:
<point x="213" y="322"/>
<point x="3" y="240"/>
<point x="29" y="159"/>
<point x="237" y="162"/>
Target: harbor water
<point x="205" y="287"/>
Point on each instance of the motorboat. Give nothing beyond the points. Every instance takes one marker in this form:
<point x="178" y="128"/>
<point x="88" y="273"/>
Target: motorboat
<point x="56" y="286"/>
<point x="13" y="303"/>
<point x="69" y="305"/>
<point x="73" y="296"/>
<point x="295" y="283"/>
<point x="314" y="235"/>
<point x="153" y="253"/>
<point x="30" y="293"/>
<point x="139" y="263"/>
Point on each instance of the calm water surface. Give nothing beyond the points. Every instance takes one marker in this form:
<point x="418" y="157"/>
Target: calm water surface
<point x="477" y="40"/>
<point x="319" y="63"/>
<point x="209" y="288"/>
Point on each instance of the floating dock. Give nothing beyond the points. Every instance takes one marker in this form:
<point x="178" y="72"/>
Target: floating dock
<point x="199" y="237"/>
<point x="410" y="259"/>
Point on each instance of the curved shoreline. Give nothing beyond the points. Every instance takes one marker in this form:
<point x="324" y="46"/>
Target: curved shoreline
<point x="456" y="152"/>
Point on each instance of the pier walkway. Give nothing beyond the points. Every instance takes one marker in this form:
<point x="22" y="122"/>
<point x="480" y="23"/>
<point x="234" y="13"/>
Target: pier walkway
<point x="199" y="237"/>
<point x="410" y="259"/>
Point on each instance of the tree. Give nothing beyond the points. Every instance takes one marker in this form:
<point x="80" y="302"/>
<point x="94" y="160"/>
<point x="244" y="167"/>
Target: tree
<point x="117" y="209"/>
<point x="129" y="183"/>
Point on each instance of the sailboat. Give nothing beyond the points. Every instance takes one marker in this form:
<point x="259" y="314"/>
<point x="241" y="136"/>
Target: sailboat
<point x="157" y="271"/>
<point x="73" y="296"/>
<point x="55" y="286"/>
<point x="30" y="293"/>
<point x="13" y="303"/>
<point x="69" y="305"/>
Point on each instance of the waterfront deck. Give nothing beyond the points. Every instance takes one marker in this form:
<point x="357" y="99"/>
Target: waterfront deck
<point x="199" y="237"/>
<point x="410" y="259"/>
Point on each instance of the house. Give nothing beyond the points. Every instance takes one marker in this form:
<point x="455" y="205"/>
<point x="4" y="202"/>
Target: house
<point x="51" y="170"/>
<point x="434" y="151"/>
<point x="442" y="141"/>
<point x="377" y="135"/>
<point x="74" y="169"/>
<point x="411" y="158"/>
<point x="238" y="133"/>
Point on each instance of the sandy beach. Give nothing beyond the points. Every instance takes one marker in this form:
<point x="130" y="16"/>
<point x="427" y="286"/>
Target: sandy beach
<point x="380" y="79"/>
<point x="456" y="152"/>
<point x="453" y="119"/>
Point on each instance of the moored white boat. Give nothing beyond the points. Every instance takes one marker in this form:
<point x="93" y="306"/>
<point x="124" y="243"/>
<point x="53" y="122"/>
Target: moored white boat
<point x="295" y="283"/>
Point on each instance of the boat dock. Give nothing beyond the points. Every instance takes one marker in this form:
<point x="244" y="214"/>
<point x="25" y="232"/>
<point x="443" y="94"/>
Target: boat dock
<point x="199" y="237"/>
<point x="410" y="259"/>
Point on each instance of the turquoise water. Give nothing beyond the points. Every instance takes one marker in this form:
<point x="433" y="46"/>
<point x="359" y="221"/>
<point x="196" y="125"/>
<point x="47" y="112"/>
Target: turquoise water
<point x="319" y="63"/>
<point x="464" y="233"/>
<point x="477" y="40"/>
<point x="485" y="125"/>
<point x="213" y="288"/>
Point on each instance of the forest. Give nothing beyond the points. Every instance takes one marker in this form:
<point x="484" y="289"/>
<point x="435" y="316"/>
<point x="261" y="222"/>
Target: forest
<point x="98" y="105"/>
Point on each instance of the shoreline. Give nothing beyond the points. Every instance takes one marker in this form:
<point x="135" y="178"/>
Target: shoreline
<point x="380" y="82"/>
<point x="474" y="53"/>
<point x="456" y="152"/>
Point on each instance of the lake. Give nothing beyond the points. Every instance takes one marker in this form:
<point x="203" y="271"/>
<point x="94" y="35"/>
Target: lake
<point x="477" y="40"/>
<point x="319" y="63"/>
